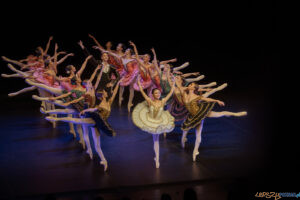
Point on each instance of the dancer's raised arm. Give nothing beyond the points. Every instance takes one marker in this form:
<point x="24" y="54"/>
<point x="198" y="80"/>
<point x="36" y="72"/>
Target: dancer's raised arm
<point x="94" y="74"/>
<point x="83" y="66"/>
<point x="96" y="41"/>
<point x="47" y="46"/>
<point x="98" y="79"/>
<point x="137" y="54"/>
<point x="164" y="100"/>
<point x="111" y="100"/>
<point x="149" y="101"/>
<point x="155" y="61"/>
<point x="64" y="58"/>
<point x="180" y="88"/>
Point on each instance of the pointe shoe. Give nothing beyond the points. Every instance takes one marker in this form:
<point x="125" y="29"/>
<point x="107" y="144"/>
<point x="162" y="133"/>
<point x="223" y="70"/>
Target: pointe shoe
<point x="195" y="155"/>
<point x="50" y="119"/>
<point x="12" y="94"/>
<point x="42" y="110"/>
<point x="82" y="143"/>
<point x="73" y="133"/>
<point x="240" y="114"/>
<point x="104" y="163"/>
<point x="221" y="87"/>
<point x="53" y="124"/>
<point x="129" y="107"/>
<point x="5" y="75"/>
<point x="183" y="141"/>
<point x="90" y="154"/>
<point x="156" y="163"/>
<point x="35" y="97"/>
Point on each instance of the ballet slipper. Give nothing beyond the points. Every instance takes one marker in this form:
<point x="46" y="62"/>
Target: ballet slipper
<point x="156" y="163"/>
<point x="129" y="107"/>
<point x="49" y="118"/>
<point x="104" y="163"/>
<point x="183" y="141"/>
<point x="90" y="153"/>
<point x="195" y="155"/>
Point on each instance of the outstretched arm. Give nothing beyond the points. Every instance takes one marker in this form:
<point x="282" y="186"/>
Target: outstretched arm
<point x="60" y="96"/>
<point x="97" y="43"/>
<point x="83" y="66"/>
<point x="86" y="52"/>
<point x="74" y="101"/>
<point x="221" y="103"/>
<point x="64" y="58"/>
<point x="94" y="74"/>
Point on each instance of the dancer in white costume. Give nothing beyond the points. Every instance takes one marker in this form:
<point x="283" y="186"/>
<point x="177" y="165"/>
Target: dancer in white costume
<point x="151" y="117"/>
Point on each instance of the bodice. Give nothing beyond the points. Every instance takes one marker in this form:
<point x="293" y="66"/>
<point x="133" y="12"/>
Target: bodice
<point x="155" y="112"/>
<point x="193" y="106"/>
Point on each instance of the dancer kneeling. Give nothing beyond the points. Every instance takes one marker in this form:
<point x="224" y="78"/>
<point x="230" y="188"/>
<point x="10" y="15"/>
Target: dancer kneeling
<point x="151" y="117"/>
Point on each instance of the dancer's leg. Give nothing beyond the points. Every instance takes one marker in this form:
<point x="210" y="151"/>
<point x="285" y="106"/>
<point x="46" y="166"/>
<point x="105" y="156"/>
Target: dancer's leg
<point x="52" y="90"/>
<point x="13" y="61"/>
<point x="24" y="74"/>
<point x="156" y="149"/>
<point x="214" y="114"/>
<point x="131" y="95"/>
<point x="198" y="140"/>
<point x="60" y="111"/>
<point x="221" y="87"/>
<point x="11" y="76"/>
<point x="183" y="138"/>
<point x="27" y="89"/>
<point x="208" y="85"/>
<point x="71" y="125"/>
<point x="97" y="143"/>
<point x="87" y="140"/>
<point x="121" y="91"/>
<point x="82" y="121"/>
<point x="81" y="140"/>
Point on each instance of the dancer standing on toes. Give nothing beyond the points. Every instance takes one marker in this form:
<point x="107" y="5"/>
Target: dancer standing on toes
<point x="199" y="108"/>
<point x="151" y="117"/>
<point x="95" y="118"/>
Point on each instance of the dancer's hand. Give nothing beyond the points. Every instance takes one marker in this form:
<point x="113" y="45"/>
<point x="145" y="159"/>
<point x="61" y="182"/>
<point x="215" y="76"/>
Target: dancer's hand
<point x="52" y="98"/>
<point x="131" y="43"/>
<point x="81" y="44"/>
<point x="89" y="57"/>
<point x="221" y="103"/>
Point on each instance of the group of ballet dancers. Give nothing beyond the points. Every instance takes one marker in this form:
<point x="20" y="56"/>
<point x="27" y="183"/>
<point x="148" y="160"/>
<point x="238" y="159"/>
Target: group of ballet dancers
<point x="170" y="97"/>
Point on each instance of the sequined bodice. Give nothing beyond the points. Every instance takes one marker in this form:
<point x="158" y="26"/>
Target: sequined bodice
<point x="193" y="106"/>
<point x="155" y="112"/>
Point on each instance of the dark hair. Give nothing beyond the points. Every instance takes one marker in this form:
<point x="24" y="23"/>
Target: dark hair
<point x="154" y="90"/>
<point x="69" y="68"/>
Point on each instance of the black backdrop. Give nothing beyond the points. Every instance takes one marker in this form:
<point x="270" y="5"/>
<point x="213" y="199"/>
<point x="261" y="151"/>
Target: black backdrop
<point x="234" y="42"/>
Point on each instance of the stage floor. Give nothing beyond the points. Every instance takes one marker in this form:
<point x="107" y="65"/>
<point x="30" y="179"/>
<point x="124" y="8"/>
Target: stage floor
<point x="36" y="159"/>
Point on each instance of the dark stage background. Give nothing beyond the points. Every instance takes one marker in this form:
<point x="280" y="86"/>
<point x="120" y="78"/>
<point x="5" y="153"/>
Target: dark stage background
<point x="233" y="42"/>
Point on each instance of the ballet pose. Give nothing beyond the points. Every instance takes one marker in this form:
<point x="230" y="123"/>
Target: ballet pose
<point x="96" y="119"/>
<point x="199" y="107"/>
<point x="151" y="117"/>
